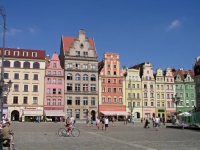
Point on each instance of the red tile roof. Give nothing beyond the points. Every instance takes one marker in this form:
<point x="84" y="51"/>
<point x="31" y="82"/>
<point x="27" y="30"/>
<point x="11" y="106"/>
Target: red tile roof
<point x="67" y="41"/>
<point x="183" y="73"/>
<point x="40" y="53"/>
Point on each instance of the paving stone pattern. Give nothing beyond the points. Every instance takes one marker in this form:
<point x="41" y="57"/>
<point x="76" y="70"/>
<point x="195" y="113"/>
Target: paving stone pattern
<point x="43" y="136"/>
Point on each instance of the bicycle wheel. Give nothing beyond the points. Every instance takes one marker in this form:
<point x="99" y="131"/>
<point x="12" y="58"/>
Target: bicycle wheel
<point x="62" y="132"/>
<point x="75" y="132"/>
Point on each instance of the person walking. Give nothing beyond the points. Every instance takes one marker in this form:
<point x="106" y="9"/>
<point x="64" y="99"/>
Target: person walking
<point x="103" y="123"/>
<point x="153" y="121"/>
<point x="106" y="123"/>
<point x="98" y="122"/>
<point x="157" y="122"/>
<point x="113" y="119"/>
<point x="133" y="121"/>
<point x="91" y="121"/>
<point x="124" y="120"/>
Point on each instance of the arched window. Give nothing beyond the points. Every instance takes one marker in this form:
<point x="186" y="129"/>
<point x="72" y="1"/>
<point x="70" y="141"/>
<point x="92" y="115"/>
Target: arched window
<point x="6" y="63"/>
<point x="36" y="65"/>
<point x="17" y="64"/>
<point x="26" y="65"/>
<point x="85" y="77"/>
<point x="93" y="77"/>
<point x="77" y="76"/>
<point x="69" y="76"/>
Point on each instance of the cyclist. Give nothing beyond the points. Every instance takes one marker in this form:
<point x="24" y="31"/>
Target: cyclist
<point x="68" y="123"/>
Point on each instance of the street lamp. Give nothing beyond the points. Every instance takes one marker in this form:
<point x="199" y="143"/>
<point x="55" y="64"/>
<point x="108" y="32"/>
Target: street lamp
<point x="176" y="99"/>
<point x="3" y="14"/>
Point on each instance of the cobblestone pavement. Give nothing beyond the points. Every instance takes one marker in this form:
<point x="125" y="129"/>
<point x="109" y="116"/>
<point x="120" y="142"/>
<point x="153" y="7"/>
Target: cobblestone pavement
<point x="43" y="136"/>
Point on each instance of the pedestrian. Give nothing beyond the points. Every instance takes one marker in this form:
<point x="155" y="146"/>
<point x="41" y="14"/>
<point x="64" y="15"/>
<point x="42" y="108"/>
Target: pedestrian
<point x="72" y="120"/>
<point x="36" y="119"/>
<point x="103" y="123"/>
<point x="157" y="123"/>
<point x="153" y="121"/>
<point x="87" y="122"/>
<point x="106" y="123"/>
<point x="113" y="119"/>
<point x="163" y="121"/>
<point x="183" y="124"/>
<point x="98" y="122"/>
<point x="13" y="119"/>
<point x="141" y="120"/>
<point x="146" y="125"/>
<point x="132" y="121"/>
<point x="91" y="121"/>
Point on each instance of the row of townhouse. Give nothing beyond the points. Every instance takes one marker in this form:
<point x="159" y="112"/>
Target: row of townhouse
<point x="75" y="84"/>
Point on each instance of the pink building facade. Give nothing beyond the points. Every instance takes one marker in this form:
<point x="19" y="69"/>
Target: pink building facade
<point x="54" y="89"/>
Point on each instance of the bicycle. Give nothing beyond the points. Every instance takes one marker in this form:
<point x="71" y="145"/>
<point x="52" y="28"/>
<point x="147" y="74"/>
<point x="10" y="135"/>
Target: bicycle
<point x="74" y="132"/>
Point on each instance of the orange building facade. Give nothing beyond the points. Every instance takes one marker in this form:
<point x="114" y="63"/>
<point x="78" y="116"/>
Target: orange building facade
<point x="111" y="101"/>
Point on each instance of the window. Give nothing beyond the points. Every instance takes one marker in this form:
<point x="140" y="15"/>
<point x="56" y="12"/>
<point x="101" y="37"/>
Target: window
<point x="129" y="104"/>
<point x="77" y="101"/>
<point x="109" y="89"/>
<point x="85" y="77"/>
<point x="7" y="52"/>
<point x="181" y="94"/>
<point x="158" y="104"/>
<point x="59" y="72"/>
<point x="48" y="101"/>
<point x="85" y="54"/>
<point x="35" y="88"/>
<point x="152" y="104"/>
<point x="114" y="73"/>
<point x="114" y="81"/>
<point x="69" y="87"/>
<point x="171" y="87"/>
<point x="69" y="100"/>
<point x="133" y="86"/>
<point x="151" y="95"/>
<point x="69" y="76"/>
<point x="54" y="101"/>
<point x="158" y="96"/>
<point x="85" y="101"/>
<point x="25" y="76"/>
<point x="17" y="64"/>
<point x="85" y="66"/>
<point x="172" y="104"/>
<point x="36" y="65"/>
<point x="120" y="90"/>
<point x="162" y="87"/>
<point x="93" y="101"/>
<point x="35" y="77"/>
<point x="25" y="100"/>
<point x="35" y="100"/>
<point x="25" y="53"/>
<point x="34" y="54"/>
<point x="103" y="99"/>
<point x="77" y="66"/>
<point x="103" y="89"/>
<point x="192" y="95"/>
<point x="145" y="104"/>
<point x="168" y="96"/>
<point x="48" y="80"/>
<point x="54" y="91"/>
<point x="138" y="86"/>
<point x="103" y="80"/>
<point x="186" y="87"/>
<point x="167" y="87"/>
<point x="59" y="91"/>
<point x="187" y="103"/>
<point x="129" y="86"/>
<point x="6" y="63"/>
<point x="108" y="80"/>
<point x="85" y="87"/>
<point x="77" y="53"/>
<point x="115" y="66"/>
<point x="93" y="77"/>
<point x="59" y="81"/>
<point x="16" y="87"/>
<point x="151" y="86"/>
<point x="120" y="100"/>
<point x="181" y="87"/>
<point x="162" y="96"/>
<point x="15" y="100"/>
<point x="48" y="91"/>
<point x="16" y="76"/>
<point x="108" y="66"/>
<point x="138" y="95"/>
<point x="93" y="67"/>
<point x="26" y="65"/>
<point x="163" y="104"/>
<point x="77" y="87"/>
<point x="168" y="104"/>
<point x="158" y="87"/>
<point x="138" y="104"/>
<point x="54" y="80"/>
<point x="108" y="73"/>
<point x="120" y="81"/>
<point x="115" y="99"/>
<point x="69" y="65"/>
<point x="25" y="88"/>
<point x="77" y="76"/>
<point x="172" y="95"/>
<point x="145" y="95"/>
<point x="54" y="65"/>
<point x="49" y="72"/>
<point x="93" y="87"/>
<point x="6" y="75"/>
<point x="114" y="90"/>
<point x="109" y="99"/>
<point x="59" y="101"/>
<point x="186" y="94"/>
<point x="145" y="86"/>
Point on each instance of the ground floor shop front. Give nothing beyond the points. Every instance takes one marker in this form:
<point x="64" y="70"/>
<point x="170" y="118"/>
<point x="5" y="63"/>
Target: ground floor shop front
<point x="149" y="112"/>
<point x="136" y="112"/>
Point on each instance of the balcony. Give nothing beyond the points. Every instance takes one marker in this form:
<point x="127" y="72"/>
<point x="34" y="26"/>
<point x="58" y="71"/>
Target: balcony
<point x="81" y="92"/>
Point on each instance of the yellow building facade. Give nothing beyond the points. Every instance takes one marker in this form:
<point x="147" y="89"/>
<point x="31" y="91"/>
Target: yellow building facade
<point x="133" y="92"/>
<point x="160" y="94"/>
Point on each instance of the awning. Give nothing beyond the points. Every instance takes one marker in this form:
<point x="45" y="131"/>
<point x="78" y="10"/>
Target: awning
<point x="33" y="113"/>
<point x="115" y="113"/>
<point x="170" y="114"/>
<point x="54" y="113"/>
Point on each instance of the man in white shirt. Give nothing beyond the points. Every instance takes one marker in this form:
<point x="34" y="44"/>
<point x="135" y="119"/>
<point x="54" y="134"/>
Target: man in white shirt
<point x="157" y="122"/>
<point x="72" y="120"/>
<point x="106" y="123"/>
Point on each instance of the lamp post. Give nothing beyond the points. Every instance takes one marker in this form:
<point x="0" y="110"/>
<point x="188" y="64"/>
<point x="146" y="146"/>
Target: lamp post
<point x="3" y="14"/>
<point x="176" y="99"/>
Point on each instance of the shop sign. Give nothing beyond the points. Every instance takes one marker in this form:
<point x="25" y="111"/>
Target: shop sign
<point x="161" y="110"/>
<point x="31" y="108"/>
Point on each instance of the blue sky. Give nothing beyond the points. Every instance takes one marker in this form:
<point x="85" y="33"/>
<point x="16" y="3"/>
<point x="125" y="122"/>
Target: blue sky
<point x="165" y="33"/>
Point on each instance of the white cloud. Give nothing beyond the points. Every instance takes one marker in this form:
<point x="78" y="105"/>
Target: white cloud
<point x="174" y="24"/>
<point x="31" y="30"/>
<point x="12" y="32"/>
